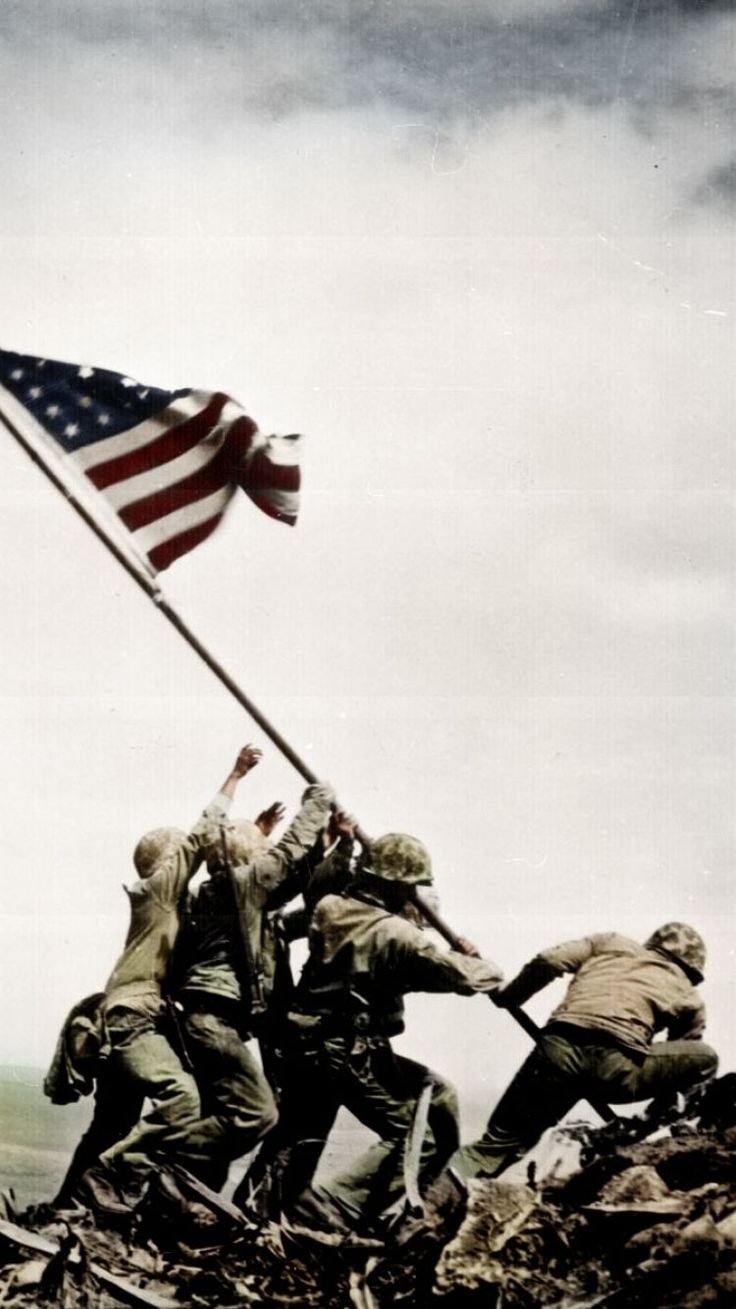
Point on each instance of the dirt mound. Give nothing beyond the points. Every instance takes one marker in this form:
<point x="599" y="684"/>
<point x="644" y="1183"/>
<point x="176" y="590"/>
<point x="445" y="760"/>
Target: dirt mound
<point x="648" y="1219"/>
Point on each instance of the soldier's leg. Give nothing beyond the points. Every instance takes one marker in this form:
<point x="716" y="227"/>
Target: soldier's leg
<point x="669" y="1067"/>
<point x="238" y="1103"/>
<point x="142" y="1057"/>
<point x="288" y="1159"/>
<point x="117" y="1109"/>
<point x="381" y="1089"/>
<point x="546" y="1086"/>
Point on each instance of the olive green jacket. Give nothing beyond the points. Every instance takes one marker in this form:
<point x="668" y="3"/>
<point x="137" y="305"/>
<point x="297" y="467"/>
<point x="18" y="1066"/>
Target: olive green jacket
<point x="364" y="959"/>
<point x="139" y="974"/>
<point x="215" y="959"/>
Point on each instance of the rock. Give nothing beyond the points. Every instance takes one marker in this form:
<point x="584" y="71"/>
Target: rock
<point x="647" y="1243"/>
<point x="699" y="1236"/>
<point x="631" y="1201"/>
<point x="635" y="1185"/>
<point x="496" y="1212"/>
<point x="726" y="1285"/>
<point x="26" y="1274"/>
<point x="588" y="1183"/>
<point x="727" y="1229"/>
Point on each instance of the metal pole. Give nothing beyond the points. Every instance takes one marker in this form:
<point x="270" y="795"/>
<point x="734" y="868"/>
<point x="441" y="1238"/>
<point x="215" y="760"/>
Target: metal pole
<point x="154" y="593"/>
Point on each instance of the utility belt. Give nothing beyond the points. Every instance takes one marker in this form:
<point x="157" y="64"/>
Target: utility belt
<point x="327" y="1025"/>
<point x="593" y="1036"/>
<point x="228" y="1008"/>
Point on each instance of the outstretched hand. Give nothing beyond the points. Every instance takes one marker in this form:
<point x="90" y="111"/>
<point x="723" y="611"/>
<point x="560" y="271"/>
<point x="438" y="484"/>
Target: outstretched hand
<point x="271" y="817"/>
<point x="466" y="947"/>
<point x="339" y="824"/>
<point x="248" y="758"/>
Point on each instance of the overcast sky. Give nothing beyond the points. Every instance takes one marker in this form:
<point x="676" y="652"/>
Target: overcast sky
<point x="482" y="255"/>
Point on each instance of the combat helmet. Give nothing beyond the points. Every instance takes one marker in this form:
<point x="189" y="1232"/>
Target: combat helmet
<point x="244" y="841"/>
<point x="397" y="857"/>
<point x="154" y="846"/>
<point x="683" y="944"/>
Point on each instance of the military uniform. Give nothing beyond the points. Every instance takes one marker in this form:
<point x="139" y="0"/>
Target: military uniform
<point x="228" y="969"/>
<point x="598" y="1041"/>
<point x="142" y="1063"/>
<point x="261" y="1189"/>
<point x="349" y="1003"/>
<point x="137" y="1059"/>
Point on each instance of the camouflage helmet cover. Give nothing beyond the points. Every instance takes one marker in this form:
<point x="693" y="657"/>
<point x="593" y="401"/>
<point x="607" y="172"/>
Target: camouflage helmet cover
<point x="154" y="846"/>
<point x="683" y="943"/>
<point x="397" y="857"/>
<point x="244" y="839"/>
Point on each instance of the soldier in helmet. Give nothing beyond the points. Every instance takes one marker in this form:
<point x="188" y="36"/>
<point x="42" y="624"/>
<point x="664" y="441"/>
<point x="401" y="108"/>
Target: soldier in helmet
<point x="599" y="1040"/>
<point x="142" y="1063"/>
<point x="365" y="955"/>
<point x="227" y="966"/>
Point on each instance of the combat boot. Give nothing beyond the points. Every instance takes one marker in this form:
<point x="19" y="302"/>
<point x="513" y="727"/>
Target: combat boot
<point x="106" y="1190"/>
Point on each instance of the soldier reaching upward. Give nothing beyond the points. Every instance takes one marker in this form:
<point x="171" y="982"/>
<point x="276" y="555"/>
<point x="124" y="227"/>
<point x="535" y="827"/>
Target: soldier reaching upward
<point x="228" y="966"/>
<point x="599" y="1039"/>
<point x="141" y="1062"/>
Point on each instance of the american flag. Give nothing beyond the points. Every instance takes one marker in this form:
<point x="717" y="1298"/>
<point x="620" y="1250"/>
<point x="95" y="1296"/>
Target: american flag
<point x="168" y="462"/>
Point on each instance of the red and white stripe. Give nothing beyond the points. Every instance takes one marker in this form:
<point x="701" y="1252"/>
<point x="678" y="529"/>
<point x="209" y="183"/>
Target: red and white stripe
<point x="170" y="478"/>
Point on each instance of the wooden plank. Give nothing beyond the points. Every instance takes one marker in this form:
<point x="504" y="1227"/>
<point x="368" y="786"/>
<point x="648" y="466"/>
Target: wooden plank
<point x="136" y="1295"/>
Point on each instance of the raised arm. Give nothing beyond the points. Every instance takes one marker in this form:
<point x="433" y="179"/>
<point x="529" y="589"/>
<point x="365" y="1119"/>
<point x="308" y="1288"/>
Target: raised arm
<point x="249" y="757"/>
<point x="407" y="952"/>
<point x="269" y="870"/>
<point x="543" y="969"/>
<point x="177" y="869"/>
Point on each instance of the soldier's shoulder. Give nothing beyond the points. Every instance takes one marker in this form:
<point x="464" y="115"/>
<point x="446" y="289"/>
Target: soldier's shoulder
<point x="332" y="907"/>
<point x="328" y="904"/>
<point x="616" y="943"/>
<point x="393" y="928"/>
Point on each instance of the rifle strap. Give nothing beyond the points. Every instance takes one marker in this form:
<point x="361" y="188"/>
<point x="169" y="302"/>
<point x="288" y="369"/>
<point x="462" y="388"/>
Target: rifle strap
<point x="251" y="978"/>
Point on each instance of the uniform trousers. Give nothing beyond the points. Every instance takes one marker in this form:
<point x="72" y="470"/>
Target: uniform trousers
<point x="572" y="1064"/>
<point x="365" y="1075"/>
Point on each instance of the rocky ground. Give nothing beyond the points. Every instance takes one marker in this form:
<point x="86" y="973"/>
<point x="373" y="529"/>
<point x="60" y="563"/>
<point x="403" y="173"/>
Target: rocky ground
<point x="645" y="1219"/>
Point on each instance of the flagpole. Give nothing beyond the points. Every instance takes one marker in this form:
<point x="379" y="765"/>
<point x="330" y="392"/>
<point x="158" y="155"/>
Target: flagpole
<point x="154" y="593"/>
<point x="245" y="701"/>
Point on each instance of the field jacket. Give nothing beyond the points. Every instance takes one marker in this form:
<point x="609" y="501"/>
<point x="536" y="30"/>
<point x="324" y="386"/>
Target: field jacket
<point x="619" y="987"/>
<point x="364" y="959"/>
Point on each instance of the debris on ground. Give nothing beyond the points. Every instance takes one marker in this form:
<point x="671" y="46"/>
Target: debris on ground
<point x="647" y="1218"/>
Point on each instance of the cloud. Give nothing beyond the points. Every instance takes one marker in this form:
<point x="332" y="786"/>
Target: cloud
<point x="448" y="73"/>
<point x="434" y="57"/>
<point x="719" y="187"/>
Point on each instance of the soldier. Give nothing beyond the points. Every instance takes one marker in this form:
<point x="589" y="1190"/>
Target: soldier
<point x="328" y="869"/>
<point x="599" y="1039"/>
<point x="141" y="1062"/>
<point x="228" y="968"/>
<point x="365" y="955"/>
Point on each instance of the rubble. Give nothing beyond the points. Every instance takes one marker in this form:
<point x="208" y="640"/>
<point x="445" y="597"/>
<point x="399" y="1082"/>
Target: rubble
<point x="648" y="1219"/>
